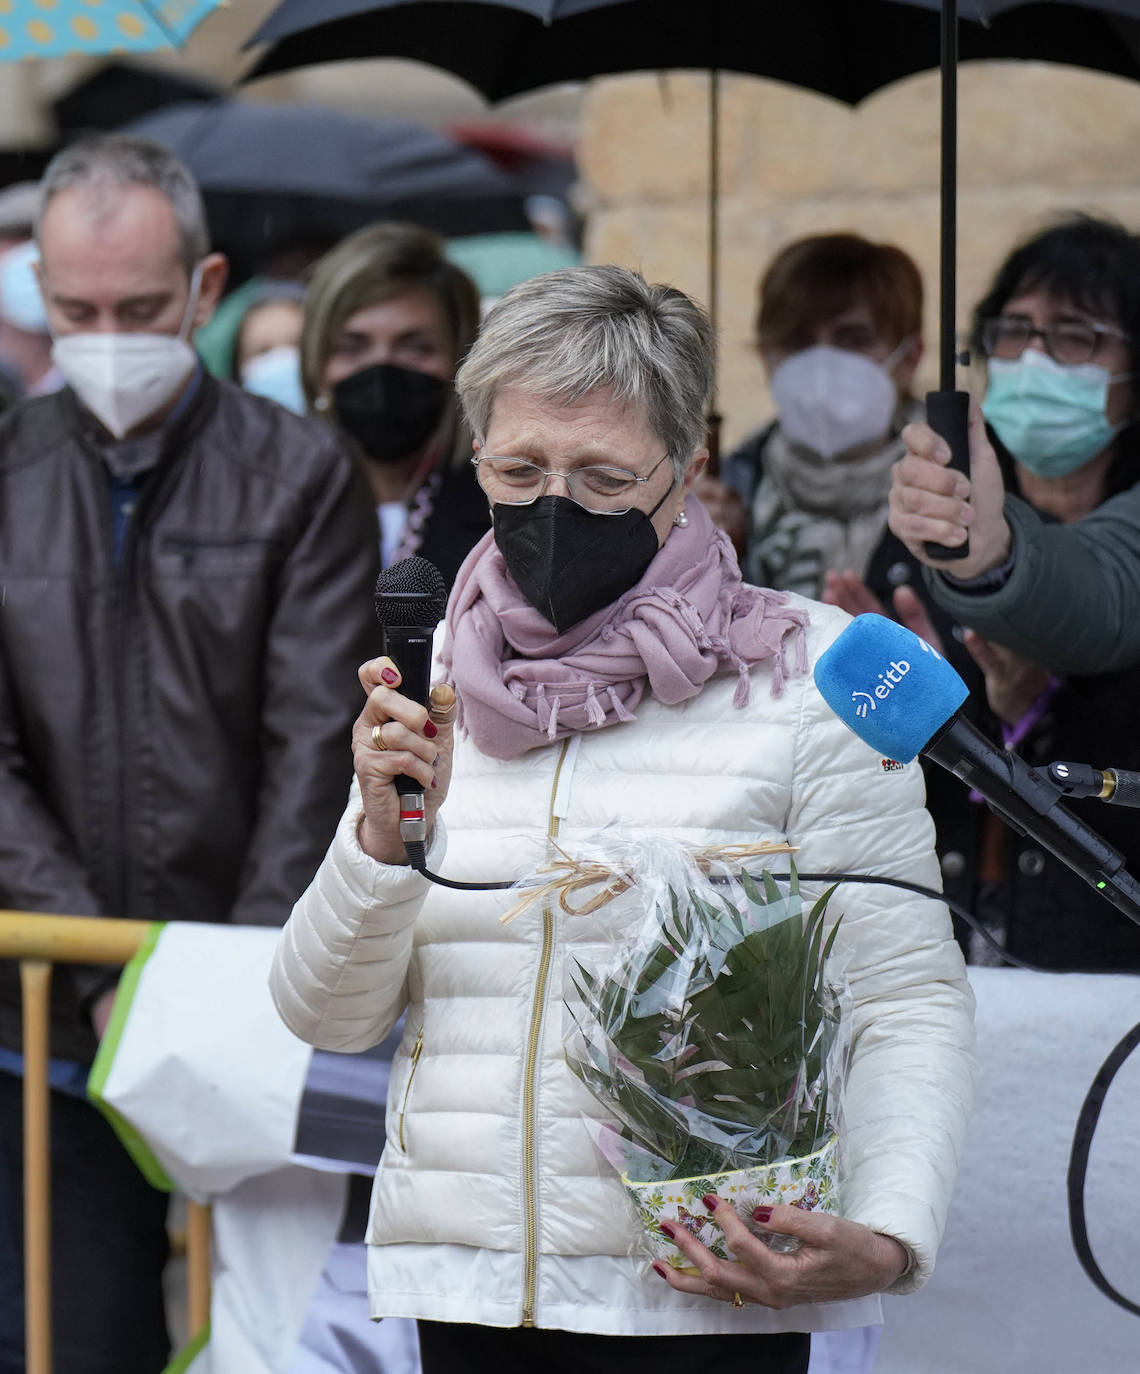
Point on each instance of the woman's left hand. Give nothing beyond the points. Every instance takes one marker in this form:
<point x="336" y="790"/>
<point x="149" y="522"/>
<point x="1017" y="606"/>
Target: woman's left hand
<point x="836" y="1259"/>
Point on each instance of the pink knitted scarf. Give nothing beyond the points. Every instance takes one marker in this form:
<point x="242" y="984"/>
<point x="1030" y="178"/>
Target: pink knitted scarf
<point x="521" y="685"/>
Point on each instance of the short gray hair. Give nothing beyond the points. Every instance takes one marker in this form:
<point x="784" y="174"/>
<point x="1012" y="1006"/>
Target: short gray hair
<point x="565" y="334"/>
<point x="120" y="160"/>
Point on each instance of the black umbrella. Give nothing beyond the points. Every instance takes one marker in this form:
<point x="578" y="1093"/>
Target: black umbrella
<point x="122" y="91"/>
<point x="842" y="48"/>
<point x="279" y="174"/>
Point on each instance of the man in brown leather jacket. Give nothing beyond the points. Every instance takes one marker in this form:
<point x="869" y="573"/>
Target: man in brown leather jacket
<point x="185" y="592"/>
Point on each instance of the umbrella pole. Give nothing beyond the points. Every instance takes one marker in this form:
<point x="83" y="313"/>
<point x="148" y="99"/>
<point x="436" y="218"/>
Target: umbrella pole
<point x="947" y="342"/>
<point x="948" y="410"/>
<point x="712" y="418"/>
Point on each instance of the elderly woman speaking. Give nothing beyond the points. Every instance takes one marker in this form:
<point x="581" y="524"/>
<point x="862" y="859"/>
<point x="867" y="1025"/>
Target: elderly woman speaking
<point x="612" y="670"/>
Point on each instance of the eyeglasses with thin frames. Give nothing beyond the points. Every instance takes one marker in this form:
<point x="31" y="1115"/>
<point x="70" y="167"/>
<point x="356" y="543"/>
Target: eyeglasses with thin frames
<point x="600" y="489"/>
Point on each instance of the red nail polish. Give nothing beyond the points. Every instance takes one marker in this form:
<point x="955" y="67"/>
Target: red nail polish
<point x="762" y="1214"/>
<point x="669" y="1231"/>
<point x="430" y="729"/>
<point x="434" y="780"/>
<point x="389" y="675"/>
<point x="661" y="1270"/>
<point x="710" y="1200"/>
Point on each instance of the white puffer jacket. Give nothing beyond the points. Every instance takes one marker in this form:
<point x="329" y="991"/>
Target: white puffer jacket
<point x="491" y="1204"/>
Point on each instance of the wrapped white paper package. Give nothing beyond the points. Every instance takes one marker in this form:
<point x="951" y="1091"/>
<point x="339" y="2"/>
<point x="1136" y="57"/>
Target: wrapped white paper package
<point x="198" y="1065"/>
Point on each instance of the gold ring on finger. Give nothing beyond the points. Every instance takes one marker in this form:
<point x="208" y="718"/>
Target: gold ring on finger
<point x="378" y="738"/>
<point x="737" y="1300"/>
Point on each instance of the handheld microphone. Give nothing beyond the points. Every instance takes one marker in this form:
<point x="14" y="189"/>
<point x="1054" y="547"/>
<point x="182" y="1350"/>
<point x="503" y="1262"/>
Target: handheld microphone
<point x="901" y="697"/>
<point x="410" y="601"/>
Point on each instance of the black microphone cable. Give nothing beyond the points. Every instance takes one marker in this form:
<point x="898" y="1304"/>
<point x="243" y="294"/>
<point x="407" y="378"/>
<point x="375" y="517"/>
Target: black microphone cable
<point x="1079" y="1163"/>
<point x="417" y="859"/>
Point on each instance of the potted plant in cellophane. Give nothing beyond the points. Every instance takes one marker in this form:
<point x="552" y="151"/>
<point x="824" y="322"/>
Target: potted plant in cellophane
<point x="702" y="1015"/>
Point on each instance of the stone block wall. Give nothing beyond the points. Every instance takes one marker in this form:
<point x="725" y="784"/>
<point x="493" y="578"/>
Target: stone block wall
<point x="1035" y="140"/>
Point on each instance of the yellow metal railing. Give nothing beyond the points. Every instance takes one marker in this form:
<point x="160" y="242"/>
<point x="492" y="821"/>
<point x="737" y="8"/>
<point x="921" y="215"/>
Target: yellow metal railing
<point x="39" y="941"/>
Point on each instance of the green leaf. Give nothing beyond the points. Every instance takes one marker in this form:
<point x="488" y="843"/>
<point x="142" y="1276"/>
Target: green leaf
<point x="709" y="1041"/>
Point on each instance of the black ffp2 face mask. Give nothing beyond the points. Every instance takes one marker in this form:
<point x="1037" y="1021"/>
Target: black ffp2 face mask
<point x="569" y="562"/>
<point x="390" y="411"/>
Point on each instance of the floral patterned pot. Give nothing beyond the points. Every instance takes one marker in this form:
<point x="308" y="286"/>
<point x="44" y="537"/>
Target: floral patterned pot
<point x="809" y="1182"/>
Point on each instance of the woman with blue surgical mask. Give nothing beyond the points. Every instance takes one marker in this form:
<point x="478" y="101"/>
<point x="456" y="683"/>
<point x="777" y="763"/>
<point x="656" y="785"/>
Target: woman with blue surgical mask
<point x="267" y="347"/>
<point x="1055" y="332"/>
<point x="25" y="338"/>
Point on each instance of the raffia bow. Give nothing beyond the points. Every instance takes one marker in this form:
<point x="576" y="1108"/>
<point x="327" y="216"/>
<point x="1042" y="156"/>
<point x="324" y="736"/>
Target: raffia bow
<point x="569" y="876"/>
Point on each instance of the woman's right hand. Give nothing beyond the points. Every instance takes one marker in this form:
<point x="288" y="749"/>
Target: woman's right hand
<point x="394" y="735"/>
<point x="932" y="501"/>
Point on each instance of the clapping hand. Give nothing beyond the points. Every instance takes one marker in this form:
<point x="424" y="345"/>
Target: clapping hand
<point x="848" y="591"/>
<point x="1013" y="683"/>
<point x="726" y="508"/>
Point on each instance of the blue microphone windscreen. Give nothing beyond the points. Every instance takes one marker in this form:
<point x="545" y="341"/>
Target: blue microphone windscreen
<point x="888" y="686"/>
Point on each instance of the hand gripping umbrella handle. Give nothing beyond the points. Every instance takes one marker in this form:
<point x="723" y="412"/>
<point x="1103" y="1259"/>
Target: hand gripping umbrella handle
<point x="948" y="414"/>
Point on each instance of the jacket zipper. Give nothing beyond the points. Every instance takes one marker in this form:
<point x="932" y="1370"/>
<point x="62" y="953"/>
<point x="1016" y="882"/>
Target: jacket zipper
<point x="126" y="633"/>
<point x="416" y="1052"/>
<point x="530" y="1084"/>
<point x="122" y="875"/>
<point x="125" y="873"/>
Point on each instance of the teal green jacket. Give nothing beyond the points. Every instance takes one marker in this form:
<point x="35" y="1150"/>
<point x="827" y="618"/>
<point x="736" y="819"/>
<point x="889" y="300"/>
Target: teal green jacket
<point x="1072" y="599"/>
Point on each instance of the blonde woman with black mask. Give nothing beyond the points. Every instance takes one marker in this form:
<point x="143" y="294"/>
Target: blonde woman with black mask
<point x="388" y="320"/>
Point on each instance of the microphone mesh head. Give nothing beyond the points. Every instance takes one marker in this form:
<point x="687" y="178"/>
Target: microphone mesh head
<point x="410" y="592"/>
<point x="888" y="686"/>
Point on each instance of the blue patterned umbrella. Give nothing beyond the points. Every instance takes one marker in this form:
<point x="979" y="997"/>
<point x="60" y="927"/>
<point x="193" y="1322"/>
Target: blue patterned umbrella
<point x="71" y="28"/>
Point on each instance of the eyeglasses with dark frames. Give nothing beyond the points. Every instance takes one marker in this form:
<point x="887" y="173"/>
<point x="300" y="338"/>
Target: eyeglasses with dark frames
<point x="1070" y="342"/>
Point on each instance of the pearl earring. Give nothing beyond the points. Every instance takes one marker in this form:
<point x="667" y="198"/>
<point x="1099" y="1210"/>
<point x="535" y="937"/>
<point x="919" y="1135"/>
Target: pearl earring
<point x="680" y="520"/>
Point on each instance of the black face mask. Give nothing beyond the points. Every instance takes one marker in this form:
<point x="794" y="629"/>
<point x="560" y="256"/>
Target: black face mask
<point x="390" y="411"/>
<point x="569" y="562"/>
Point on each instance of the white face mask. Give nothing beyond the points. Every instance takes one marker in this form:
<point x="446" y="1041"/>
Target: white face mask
<point x="831" y="400"/>
<point x="123" y="379"/>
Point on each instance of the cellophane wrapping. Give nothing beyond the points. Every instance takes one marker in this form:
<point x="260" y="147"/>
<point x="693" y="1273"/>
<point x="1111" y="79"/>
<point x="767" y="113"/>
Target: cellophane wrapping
<point x="705" y="1015"/>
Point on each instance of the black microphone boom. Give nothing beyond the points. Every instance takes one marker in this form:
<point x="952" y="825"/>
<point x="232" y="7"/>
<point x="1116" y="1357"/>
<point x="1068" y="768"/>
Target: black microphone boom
<point x="1116" y="786"/>
<point x="1027" y="800"/>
